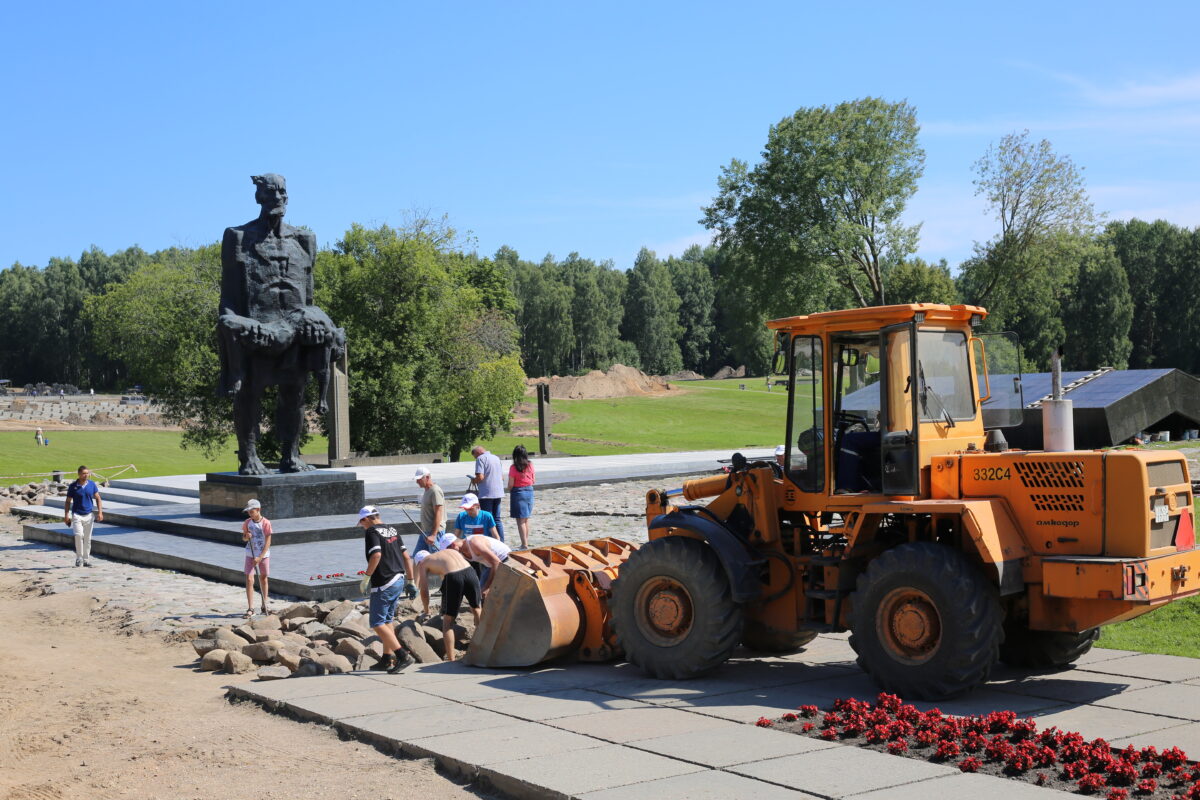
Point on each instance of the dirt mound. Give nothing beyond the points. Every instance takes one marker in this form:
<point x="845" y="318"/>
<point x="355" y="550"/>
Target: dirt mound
<point x="685" y="375"/>
<point x="619" y="381"/>
<point x="729" y="372"/>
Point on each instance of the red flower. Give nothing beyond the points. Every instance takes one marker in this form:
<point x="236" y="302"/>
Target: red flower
<point x="763" y="722"/>
<point x="925" y="738"/>
<point x="879" y="733"/>
<point x="1172" y="757"/>
<point x="970" y="764"/>
<point x="1151" y="769"/>
<point x="1001" y="721"/>
<point x="973" y="741"/>
<point x="1121" y="773"/>
<point x="809" y="711"/>
<point x="897" y="747"/>
<point x="946" y="750"/>
<point x="790" y="717"/>
<point x="1018" y="761"/>
<point x="888" y="702"/>
<point x="829" y="734"/>
<point x="831" y="719"/>
<point x="808" y="726"/>
<point x="1118" y="794"/>
<point x="1091" y="783"/>
<point x="1041" y="779"/>
<point x="1147" y="786"/>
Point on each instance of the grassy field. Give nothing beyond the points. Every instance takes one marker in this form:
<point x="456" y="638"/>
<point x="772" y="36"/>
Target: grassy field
<point x="152" y="452"/>
<point x="1170" y="630"/>
<point x="703" y="415"/>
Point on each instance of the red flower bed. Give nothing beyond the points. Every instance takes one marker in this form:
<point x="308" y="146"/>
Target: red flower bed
<point x="1000" y="743"/>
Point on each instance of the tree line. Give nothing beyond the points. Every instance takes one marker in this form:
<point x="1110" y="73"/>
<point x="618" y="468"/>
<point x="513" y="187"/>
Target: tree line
<point x="440" y="337"/>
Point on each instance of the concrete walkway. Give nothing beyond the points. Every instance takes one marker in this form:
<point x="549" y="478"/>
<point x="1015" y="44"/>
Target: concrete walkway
<point x="608" y="732"/>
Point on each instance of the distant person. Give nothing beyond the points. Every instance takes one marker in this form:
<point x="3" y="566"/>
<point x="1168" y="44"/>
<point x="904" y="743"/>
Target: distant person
<point x="473" y="520"/>
<point x="433" y="511"/>
<point x="91" y="392"/>
<point x="520" y="498"/>
<point x="483" y="550"/>
<point x="37" y="437"/>
<point x="387" y="565"/>
<point x="80" y="510"/>
<point x="256" y="533"/>
<point x="780" y="454"/>
<point x="459" y="582"/>
<point x="491" y="485"/>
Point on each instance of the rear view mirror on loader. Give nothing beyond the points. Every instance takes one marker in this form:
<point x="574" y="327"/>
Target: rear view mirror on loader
<point x="779" y="360"/>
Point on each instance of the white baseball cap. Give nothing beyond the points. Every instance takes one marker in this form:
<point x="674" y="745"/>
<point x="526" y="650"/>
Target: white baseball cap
<point x="421" y="556"/>
<point x="420" y="473"/>
<point x="251" y="504"/>
<point x="445" y="540"/>
<point x="468" y="500"/>
<point x="781" y="449"/>
<point x="367" y="511"/>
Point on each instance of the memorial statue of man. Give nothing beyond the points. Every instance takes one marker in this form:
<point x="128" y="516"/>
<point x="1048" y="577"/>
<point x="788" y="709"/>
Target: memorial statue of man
<point x="268" y="330"/>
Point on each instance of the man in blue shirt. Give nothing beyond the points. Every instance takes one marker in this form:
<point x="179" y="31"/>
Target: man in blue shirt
<point x="491" y="484"/>
<point x="81" y="509"/>
<point x="472" y="521"/>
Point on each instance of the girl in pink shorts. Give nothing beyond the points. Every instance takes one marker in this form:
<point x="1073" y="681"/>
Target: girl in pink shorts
<point x="256" y="533"/>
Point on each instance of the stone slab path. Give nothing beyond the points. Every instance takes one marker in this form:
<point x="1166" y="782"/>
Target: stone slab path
<point x="603" y="732"/>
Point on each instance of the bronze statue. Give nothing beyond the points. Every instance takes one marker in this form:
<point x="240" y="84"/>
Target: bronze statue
<point x="269" y="331"/>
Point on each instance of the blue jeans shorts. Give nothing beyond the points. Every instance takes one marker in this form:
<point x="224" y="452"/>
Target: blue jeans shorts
<point x="383" y="603"/>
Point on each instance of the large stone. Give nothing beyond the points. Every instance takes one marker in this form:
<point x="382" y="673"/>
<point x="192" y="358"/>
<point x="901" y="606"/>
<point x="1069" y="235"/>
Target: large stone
<point x="327" y="606"/>
<point x="263" y="651"/>
<point x="298" y="610"/>
<point x="245" y="631"/>
<point x="202" y="646"/>
<point x="350" y="648"/>
<point x="267" y="623"/>
<point x="357" y="629"/>
<point x="375" y="648"/>
<point x="296" y="623"/>
<point x="414" y="640"/>
<point x="312" y="629"/>
<point x="237" y="663"/>
<point x="288" y="658"/>
<point x="335" y="664"/>
<point x="298" y="639"/>
<point x="213" y="660"/>
<point x="266" y="636"/>
<point x="273" y="673"/>
<point x="435" y="638"/>
<point x="226" y="639"/>
<point x="339" y="613"/>
<point x="308" y="668"/>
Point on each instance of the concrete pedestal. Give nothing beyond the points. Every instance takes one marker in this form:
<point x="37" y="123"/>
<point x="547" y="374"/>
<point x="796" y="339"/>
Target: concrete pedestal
<point x="283" y="496"/>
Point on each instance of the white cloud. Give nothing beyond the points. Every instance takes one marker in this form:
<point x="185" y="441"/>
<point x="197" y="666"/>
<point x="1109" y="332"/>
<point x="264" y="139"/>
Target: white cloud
<point x="1177" y="90"/>
<point x="675" y="247"/>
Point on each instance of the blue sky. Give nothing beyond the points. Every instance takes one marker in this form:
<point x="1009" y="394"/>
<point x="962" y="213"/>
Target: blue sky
<point x="555" y="127"/>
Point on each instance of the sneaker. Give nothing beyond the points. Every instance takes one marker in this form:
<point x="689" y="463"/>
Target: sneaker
<point x="78" y="561"/>
<point x="87" y="563"/>
<point x="387" y="662"/>
<point x="400" y="663"/>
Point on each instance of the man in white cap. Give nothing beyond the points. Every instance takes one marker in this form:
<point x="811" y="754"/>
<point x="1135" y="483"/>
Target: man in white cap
<point x="387" y="565"/>
<point x="780" y="452"/>
<point x="473" y="520"/>
<point x="433" y="511"/>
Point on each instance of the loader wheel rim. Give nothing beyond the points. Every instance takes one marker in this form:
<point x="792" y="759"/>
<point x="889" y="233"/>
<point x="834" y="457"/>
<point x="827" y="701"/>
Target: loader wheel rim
<point x="664" y="611"/>
<point x="909" y="625"/>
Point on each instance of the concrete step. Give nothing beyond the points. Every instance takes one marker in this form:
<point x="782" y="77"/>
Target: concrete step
<point x="56" y="511"/>
<point x="138" y="497"/>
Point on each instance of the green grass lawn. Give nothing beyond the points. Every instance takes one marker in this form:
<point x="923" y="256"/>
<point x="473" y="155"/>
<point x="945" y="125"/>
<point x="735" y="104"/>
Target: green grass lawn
<point x="703" y="415"/>
<point x="1171" y="630"/>
<point x="152" y="452"/>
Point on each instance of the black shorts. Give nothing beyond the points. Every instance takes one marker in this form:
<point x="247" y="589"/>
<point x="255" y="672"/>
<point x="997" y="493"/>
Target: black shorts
<point x="459" y="585"/>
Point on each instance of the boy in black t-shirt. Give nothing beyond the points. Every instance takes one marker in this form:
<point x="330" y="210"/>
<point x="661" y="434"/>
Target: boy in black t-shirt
<point x="387" y="564"/>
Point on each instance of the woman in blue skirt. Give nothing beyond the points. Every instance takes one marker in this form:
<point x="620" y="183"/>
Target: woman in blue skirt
<point x="520" y="484"/>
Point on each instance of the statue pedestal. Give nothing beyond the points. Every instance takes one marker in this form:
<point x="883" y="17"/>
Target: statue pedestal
<point x="283" y="496"/>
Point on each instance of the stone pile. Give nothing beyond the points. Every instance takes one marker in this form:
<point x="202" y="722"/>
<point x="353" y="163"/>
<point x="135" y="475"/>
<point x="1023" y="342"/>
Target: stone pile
<point x="319" y="639"/>
<point x="30" y="494"/>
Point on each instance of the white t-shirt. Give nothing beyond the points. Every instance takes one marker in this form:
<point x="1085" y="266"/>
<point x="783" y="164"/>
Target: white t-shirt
<point x="259" y="531"/>
<point x="499" y="548"/>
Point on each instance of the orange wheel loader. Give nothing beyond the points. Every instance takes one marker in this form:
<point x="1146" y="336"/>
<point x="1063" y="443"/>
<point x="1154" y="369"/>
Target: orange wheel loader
<point x="898" y="513"/>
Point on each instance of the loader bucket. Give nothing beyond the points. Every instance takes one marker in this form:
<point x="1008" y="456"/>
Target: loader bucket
<point x="548" y="602"/>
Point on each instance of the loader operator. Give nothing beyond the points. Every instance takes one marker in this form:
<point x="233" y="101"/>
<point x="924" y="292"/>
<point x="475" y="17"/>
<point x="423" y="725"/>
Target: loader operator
<point x="485" y="550"/>
<point x="459" y="582"/>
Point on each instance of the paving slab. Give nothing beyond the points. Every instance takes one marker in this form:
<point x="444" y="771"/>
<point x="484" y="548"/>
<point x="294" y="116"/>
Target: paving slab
<point x="329" y="708"/>
<point x="976" y="787"/>
<point x="1098" y="721"/>
<point x="727" y="746"/>
<point x="273" y="692"/>
<point x="560" y="703"/>
<point x="699" y="786"/>
<point x="730" y="678"/>
<point x="514" y="740"/>
<point x="622" y="726"/>
<point x="1070" y="686"/>
<point x="771" y="701"/>
<point x="986" y="700"/>
<point x="578" y="772"/>
<point x="393" y="729"/>
<point x="1186" y="737"/>
<point x="842" y="771"/>
<point x="1150" y="666"/>
<point x="1179" y="700"/>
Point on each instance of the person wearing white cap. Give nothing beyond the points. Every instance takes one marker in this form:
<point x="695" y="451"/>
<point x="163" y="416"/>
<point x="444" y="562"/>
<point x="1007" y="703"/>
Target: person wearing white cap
<point x="256" y="533"/>
<point x="433" y="511"/>
<point x="387" y="565"/>
<point x="780" y="452"/>
<point x="486" y="551"/>
<point x="472" y="520"/>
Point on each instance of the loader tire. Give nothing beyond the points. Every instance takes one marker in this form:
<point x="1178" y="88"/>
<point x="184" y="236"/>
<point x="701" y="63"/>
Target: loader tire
<point x="765" y="639"/>
<point x="673" y="610"/>
<point x="926" y="623"/>
<point x="1045" y="649"/>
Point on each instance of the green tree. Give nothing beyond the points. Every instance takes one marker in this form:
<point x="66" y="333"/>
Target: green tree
<point x="693" y="282"/>
<point x="544" y="317"/>
<point x="652" y="315"/>
<point x="1099" y="313"/>
<point x="825" y="202"/>
<point x="916" y="281"/>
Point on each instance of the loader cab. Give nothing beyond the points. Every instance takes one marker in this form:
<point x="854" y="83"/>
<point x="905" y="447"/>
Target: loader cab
<point x="874" y="394"/>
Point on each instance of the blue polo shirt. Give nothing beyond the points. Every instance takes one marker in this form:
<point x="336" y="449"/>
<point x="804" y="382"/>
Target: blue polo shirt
<point x="82" y="497"/>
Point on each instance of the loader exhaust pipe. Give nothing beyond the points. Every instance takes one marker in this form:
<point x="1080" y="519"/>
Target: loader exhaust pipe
<point x="1058" y="420"/>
